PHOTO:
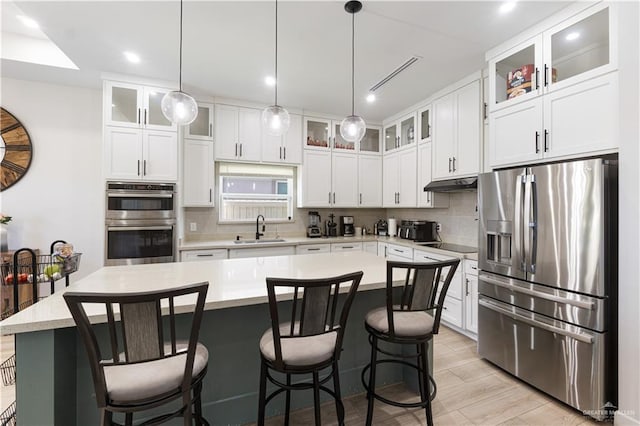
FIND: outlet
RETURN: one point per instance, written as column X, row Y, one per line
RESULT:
column 193, row 227
column 438, row 227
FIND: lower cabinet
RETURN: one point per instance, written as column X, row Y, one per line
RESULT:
column 382, row 249
column 337, row 247
column 471, row 295
column 200, row 255
column 399, row 253
column 370, row 246
column 313, row 248
column 261, row 252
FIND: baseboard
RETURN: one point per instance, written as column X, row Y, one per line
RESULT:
column 623, row 418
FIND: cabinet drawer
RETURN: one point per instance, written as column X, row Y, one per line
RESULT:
column 198, row 255
column 336, row 247
column 400, row 251
column 452, row 311
column 261, row 252
column 471, row 267
column 313, row 248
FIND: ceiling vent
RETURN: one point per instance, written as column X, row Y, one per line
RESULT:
column 412, row 60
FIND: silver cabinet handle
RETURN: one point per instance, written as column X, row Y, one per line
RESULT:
column 449, row 164
column 361, row 198
column 347, row 247
column 546, row 140
column 144, row 168
column 204, row 255
column 284, row 152
column 138, row 167
column 329, row 197
column 583, row 337
column 454, row 164
column 398, row 198
column 210, row 129
column 281, row 153
column 466, row 286
column 240, row 150
column 145, row 117
column 428, row 197
column 385, row 251
column 139, row 118
column 334, row 198
column 236, row 149
column 546, row 73
column 210, row 195
column 313, row 249
column 537, row 142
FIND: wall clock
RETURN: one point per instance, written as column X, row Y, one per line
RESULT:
column 15, row 150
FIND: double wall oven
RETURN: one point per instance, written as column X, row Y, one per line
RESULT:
column 140, row 223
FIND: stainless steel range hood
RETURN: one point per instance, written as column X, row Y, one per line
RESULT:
column 453, row 185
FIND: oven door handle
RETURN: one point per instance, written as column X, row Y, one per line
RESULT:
column 577, row 303
column 116, row 195
column 582, row 337
column 139, row 228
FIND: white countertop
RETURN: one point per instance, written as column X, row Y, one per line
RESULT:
column 232, row 282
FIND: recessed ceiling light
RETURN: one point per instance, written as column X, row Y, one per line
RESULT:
column 28, row 22
column 270, row 81
column 132, row 57
column 507, row 7
column 572, row 36
column 371, row 97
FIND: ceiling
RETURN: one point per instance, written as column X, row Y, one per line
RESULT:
column 229, row 46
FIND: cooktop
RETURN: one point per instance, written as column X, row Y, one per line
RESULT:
column 451, row 247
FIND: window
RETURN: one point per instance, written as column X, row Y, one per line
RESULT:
column 249, row 190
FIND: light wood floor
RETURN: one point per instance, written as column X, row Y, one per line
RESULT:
column 471, row 391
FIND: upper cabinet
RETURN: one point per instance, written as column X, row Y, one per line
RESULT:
column 202, row 126
column 370, row 143
column 238, row 133
column 324, row 134
column 400, row 133
column 457, row 133
column 555, row 96
column 134, row 105
column 285, row 149
column 424, row 124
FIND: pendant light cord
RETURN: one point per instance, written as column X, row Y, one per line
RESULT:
column 353, row 20
column 181, row 45
column 276, row 61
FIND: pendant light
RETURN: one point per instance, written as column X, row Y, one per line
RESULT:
column 177, row 106
column 276, row 119
column 353, row 127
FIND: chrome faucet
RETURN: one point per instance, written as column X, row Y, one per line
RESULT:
column 258, row 234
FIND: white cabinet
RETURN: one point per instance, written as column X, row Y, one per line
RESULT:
column 201, row 255
column 471, row 295
column 369, row 180
column 313, row 248
column 399, row 178
column 139, row 154
column 344, row 179
column 285, row 149
column 427, row 198
column 383, row 249
column 338, row 247
column 314, row 186
column 457, row 133
column 400, row 133
column 202, row 126
column 370, row 143
column 370, row 247
column 555, row 96
column 238, row 133
column 261, row 251
column 198, row 170
column 399, row 253
column 135, row 106
column 424, row 124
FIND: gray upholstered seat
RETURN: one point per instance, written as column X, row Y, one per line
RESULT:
column 135, row 382
column 407, row 323
column 302, row 350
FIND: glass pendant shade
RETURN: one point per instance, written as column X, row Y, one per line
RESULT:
column 179, row 108
column 352, row 128
column 275, row 120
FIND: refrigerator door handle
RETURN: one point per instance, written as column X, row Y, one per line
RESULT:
column 577, row 303
column 518, row 223
column 529, row 224
column 585, row 338
column 533, row 223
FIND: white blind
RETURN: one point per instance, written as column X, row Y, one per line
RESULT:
column 262, row 170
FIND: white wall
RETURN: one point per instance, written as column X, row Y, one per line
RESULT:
column 62, row 195
column 629, row 269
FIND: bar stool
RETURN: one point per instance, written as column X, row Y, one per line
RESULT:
column 305, row 338
column 411, row 317
column 148, row 370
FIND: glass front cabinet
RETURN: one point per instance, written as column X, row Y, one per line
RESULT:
column 400, row 133
column 202, row 126
column 133, row 105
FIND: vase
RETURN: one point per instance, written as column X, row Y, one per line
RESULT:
column 4, row 245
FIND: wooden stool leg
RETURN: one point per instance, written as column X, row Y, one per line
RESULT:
column 427, row 383
column 263, row 393
column 316, row 397
column 372, row 380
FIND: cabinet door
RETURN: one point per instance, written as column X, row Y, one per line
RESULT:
column 425, row 199
column 369, row 181
column 407, row 178
column 123, row 104
column 468, row 129
column 153, row 118
column 272, row 148
column 249, row 134
column 516, row 134
column 198, row 174
column 159, row 155
column 390, row 180
column 370, row 143
column 344, row 175
column 408, row 130
column 226, row 132
column 471, row 303
column 390, row 137
column 382, row 249
column 370, row 247
column 583, row 118
column 339, row 144
column 424, row 124
column 443, row 136
column 202, row 127
column 123, row 153
column 315, row 188
column 292, row 143
column 317, row 133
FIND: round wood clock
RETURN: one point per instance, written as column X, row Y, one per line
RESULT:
column 15, row 149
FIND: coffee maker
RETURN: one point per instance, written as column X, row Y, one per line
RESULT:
column 331, row 228
column 313, row 230
column 346, row 226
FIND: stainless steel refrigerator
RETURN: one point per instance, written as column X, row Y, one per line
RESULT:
column 548, row 283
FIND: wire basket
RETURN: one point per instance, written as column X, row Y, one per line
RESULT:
column 48, row 268
column 8, row 371
column 8, row 416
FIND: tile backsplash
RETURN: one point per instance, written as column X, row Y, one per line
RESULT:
column 459, row 221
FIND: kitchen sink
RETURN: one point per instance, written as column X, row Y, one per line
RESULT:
column 265, row 240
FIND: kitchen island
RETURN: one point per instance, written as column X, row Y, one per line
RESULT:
column 54, row 383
